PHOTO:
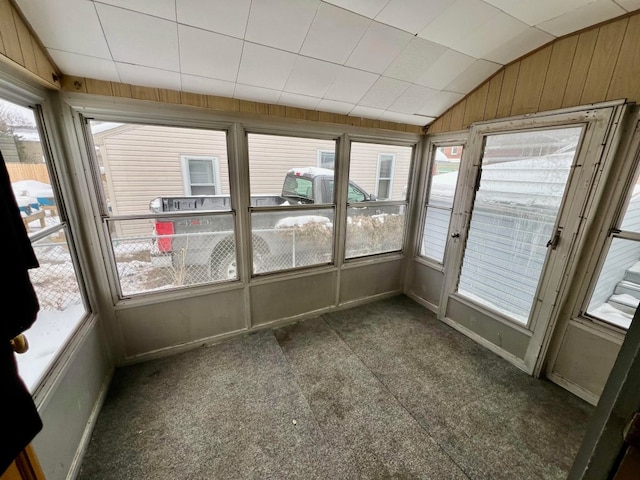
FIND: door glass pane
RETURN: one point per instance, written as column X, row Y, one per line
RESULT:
column 631, row 218
column 522, row 183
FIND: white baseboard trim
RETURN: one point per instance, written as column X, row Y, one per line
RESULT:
column 574, row 388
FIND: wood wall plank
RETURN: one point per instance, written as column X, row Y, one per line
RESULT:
column 603, row 62
column 277, row 111
column 457, row 115
column 493, row 96
column 248, row 107
column 223, row 103
column 145, row 93
column 74, row 84
column 98, row 87
column 9, row 33
column 26, row 47
column 474, row 110
column 121, row 89
column 528, row 91
column 558, row 73
column 580, row 67
column 169, row 96
column 625, row 82
column 193, row 99
column 508, row 89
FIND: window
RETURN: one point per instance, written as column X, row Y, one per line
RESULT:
column 201, row 175
column 617, row 291
column 56, row 281
column 444, row 178
column 454, row 150
column 326, row 159
column 375, row 221
column 147, row 180
column 384, row 182
column 292, row 202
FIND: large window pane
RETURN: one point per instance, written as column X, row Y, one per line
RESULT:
column 617, row 291
column 522, row 183
column 374, row 229
column 381, row 170
column 444, row 177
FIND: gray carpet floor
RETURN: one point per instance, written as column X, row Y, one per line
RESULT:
column 381, row 391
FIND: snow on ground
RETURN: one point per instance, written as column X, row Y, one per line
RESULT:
column 612, row 315
column 290, row 222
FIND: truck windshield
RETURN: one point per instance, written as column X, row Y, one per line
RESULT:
column 298, row 187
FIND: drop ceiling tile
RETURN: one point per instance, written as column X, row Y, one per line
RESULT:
column 79, row 32
column 404, row 118
column 366, row 112
column 256, row 94
column 533, row 13
column 500, row 29
column 140, row 39
column 207, row 86
column 332, row 106
column 412, row 99
column 209, row 54
column 311, row 77
column 150, row 77
column 157, row 8
column 412, row 15
column 220, row 16
column 462, row 17
column 384, row 92
column 299, row 101
column 473, row 76
column 445, row 69
column 84, row 66
column 378, row 47
column 440, row 103
column 367, row 8
column 265, row 66
column 629, row 5
column 334, row 34
column 518, row 46
column 280, row 23
column 350, row 85
column 585, row 16
column 415, row 60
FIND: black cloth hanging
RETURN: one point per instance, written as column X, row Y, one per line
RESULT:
column 19, row 417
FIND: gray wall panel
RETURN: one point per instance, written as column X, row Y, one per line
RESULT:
column 368, row 280
column 426, row 283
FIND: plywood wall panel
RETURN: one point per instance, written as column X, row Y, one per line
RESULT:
column 626, row 75
column 26, row 46
column 98, row 87
column 476, row 103
column 145, row 93
column 603, row 62
column 531, row 76
column 558, row 73
column 580, row 68
column 493, row 95
column 508, row 89
column 457, row 115
column 9, row 33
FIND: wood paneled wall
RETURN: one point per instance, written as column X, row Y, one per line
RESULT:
column 598, row 64
column 225, row 104
column 21, row 49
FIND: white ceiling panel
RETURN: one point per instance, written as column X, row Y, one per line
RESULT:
column 415, row 60
column 77, row 65
column 525, row 42
column 280, row 23
column 595, row 12
column 445, row 69
column 334, row 34
column 461, row 18
column 404, row 118
column 378, row 48
column 336, row 107
column 311, row 77
column 222, row 53
column 350, row 85
column 629, row 5
column 221, row 16
column 150, row 77
column 438, row 104
column 533, row 13
column 412, row 99
column 140, row 39
column 500, row 29
column 208, row 86
column 299, row 101
column 265, row 66
column 256, row 94
column 69, row 25
column 473, row 76
column 384, row 92
column 367, row 8
column 157, row 8
column 366, row 112
column 412, row 15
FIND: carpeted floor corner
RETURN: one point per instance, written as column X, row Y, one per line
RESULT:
column 381, row 391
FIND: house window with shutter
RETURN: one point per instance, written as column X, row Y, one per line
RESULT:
column 201, row 175
column 384, row 179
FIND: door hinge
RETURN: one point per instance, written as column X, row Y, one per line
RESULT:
column 478, row 178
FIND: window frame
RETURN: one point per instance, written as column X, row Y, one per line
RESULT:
column 380, row 178
column 186, row 173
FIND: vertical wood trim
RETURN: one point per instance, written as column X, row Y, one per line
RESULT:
column 325, row 117
column 169, row 96
column 223, row 103
column 98, row 87
column 457, row 115
column 121, row 90
column 493, row 96
column 144, row 93
column 9, row 33
column 557, row 77
column 528, row 91
column 247, row 106
column 277, row 111
column 580, row 67
column 193, row 99
column 508, row 89
column 603, row 62
column 476, row 102
column 26, row 47
column 626, row 75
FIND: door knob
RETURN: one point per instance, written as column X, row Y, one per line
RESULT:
column 20, row 344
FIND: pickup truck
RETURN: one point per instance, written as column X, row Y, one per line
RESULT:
column 208, row 242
